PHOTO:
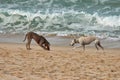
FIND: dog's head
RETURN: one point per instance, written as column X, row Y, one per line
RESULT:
column 73, row 42
column 47, row 46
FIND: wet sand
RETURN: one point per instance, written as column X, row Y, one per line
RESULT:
column 56, row 40
column 61, row 63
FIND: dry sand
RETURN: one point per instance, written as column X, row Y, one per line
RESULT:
column 61, row 63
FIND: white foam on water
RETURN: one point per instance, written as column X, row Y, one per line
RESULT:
column 79, row 22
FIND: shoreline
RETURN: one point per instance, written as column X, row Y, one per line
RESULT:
column 56, row 40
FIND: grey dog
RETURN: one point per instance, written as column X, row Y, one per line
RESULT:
column 86, row 40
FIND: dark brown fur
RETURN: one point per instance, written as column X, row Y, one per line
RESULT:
column 40, row 40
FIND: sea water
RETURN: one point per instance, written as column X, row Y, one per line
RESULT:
column 61, row 17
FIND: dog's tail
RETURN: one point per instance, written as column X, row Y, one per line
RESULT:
column 25, row 38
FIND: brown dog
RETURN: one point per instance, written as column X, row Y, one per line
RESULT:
column 40, row 40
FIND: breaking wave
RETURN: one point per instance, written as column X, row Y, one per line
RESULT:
column 61, row 17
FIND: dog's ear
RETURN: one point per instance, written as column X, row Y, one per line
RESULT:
column 74, row 40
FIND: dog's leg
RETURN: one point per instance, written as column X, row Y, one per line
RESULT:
column 43, row 46
column 41, row 43
column 83, row 47
column 100, row 46
column 47, row 46
column 28, row 44
column 96, row 46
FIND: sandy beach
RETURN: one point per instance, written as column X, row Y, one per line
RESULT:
column 60, row 22
column 61, row 63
